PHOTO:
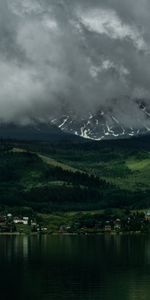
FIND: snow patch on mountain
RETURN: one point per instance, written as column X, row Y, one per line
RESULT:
column 99, row 126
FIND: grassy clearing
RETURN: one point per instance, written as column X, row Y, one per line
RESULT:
column 127, row 171
column 48, row 160
column 136, row 165
column 55, row 163
column 138, row 178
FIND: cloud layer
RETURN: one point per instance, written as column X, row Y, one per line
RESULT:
column 81, row 55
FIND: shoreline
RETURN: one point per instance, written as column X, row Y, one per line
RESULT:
column 73, row 234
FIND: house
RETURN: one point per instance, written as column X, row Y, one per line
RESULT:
column 44, row 229
column 9, row 216
column 117, row 225
column 64, row 228
column 147, row 216
column 33, row 223
column 24, row 220
column 107, row 227
column 17, row 220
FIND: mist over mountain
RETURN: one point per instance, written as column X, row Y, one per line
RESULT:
column 83, row 57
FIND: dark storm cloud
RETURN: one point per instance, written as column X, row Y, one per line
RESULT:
column 80, row 55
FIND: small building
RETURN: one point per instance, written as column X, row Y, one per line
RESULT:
column 44, row 229
column 107, row 227
column 9, row 216
column 147, row 216
column 33, row 223
column 23, row 221
column 117, row 225
column 17, row 221
column 64, row 228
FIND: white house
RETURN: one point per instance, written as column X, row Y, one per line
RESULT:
column 24, row 220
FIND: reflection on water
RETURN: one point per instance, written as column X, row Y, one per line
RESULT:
column 71, row 267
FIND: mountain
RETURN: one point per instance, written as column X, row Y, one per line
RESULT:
column 101, row 125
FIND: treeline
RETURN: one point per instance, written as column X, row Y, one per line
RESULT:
column 47, row 199
column 76, row 178
column 13, row 166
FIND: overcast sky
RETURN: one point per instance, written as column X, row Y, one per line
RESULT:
column 81, row 54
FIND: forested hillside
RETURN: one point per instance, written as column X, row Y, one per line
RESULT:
column 25, row 180
column 87, row 176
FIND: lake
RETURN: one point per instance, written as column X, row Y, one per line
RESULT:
column 102, row 267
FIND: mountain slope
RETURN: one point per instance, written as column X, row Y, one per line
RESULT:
column 31, row 180
column 102, row 125
column 99, row 126
column 71, row 176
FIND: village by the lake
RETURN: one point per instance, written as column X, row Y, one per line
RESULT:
column 81, row 223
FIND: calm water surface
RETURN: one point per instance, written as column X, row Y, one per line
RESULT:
column 73, row 268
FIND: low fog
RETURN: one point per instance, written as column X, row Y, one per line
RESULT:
column 74, row 55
